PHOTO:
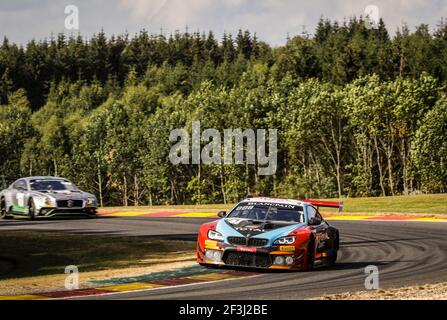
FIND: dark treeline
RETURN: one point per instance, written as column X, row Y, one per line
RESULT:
column 358, row 112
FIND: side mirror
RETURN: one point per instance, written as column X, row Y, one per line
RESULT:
column 314, row 221
column 221, row 214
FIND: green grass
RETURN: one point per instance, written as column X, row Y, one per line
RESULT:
column 426, row 204
column 44, row 253
column 416, row 204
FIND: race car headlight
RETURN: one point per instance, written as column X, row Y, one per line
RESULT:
column 214, row 235
column 285, row 240
column 90, row 201
column 49, row 202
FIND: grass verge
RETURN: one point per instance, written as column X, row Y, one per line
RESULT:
column 421, row 205
column 32, row 253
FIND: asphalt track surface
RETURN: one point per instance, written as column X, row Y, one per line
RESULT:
column 406, row 253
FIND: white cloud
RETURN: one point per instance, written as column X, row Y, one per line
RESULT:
column 394, row 12
column 170, row 12
column 141, row 8
column 272, row 20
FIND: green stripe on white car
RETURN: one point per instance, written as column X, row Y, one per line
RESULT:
column 19, row 208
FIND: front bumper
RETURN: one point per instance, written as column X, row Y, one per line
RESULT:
column 66, row 212
column 289, row 257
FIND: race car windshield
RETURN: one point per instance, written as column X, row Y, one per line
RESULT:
column 268, row 212
column 55, row 185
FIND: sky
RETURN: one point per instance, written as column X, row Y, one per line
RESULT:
column 271, row 20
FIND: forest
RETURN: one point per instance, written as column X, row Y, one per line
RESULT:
column 359, row 111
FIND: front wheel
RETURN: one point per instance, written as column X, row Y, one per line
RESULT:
column 31, row 210
column 209, row 266
column 92, row 213
column 333, row 258
column 310, row 255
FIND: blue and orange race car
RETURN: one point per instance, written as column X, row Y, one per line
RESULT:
column 271, row 233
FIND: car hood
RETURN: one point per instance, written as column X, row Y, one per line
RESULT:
column 244, row 228
column 63, row 195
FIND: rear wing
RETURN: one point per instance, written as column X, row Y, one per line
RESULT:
column 316, row 203
column 325, row 204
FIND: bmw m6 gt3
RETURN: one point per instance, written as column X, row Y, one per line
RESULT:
column 270, row 233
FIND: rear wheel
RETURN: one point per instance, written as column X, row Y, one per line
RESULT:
column 31, row 210
column 3, row 211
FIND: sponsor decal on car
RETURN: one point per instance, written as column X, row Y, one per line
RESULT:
column 287, row 248
column 245, row 249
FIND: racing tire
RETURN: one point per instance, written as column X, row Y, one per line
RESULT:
column 204, row 265
column 3, row 210
column 209, row 266
column 92, row 215
column 89, row 215
column 31, row 210
column 310, row 255
column 333, row 258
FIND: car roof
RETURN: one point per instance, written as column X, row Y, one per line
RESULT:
column 275, row 200
column 43, row 178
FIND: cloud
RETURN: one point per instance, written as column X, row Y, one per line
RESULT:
column 272, row 20
column 170, row 12
column 394, row 13
column 143, row 8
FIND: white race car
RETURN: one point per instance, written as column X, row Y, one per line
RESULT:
column 40, row 197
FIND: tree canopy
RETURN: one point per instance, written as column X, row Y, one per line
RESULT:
column 358, row 112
